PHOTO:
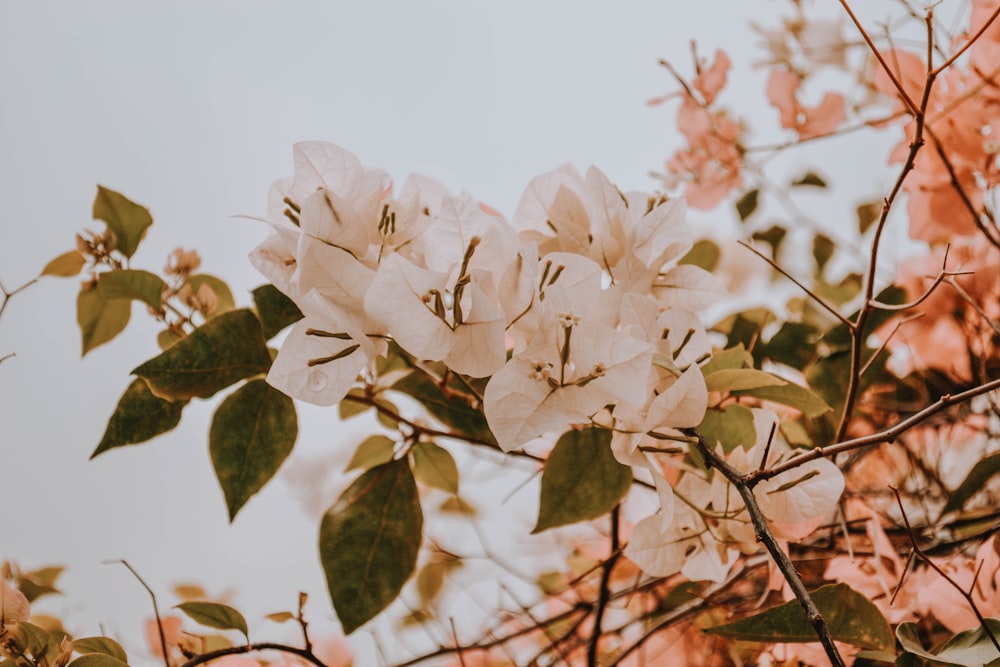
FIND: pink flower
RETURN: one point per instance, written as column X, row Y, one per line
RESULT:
column 782, row 91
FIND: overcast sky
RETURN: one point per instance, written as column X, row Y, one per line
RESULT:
column 191, row 108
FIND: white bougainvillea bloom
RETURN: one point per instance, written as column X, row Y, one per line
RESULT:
column 325, row 351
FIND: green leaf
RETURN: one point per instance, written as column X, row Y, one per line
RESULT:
column 215, row 615
column 972, row 647
column 737, row 379
column 434, row 466
column 734, row 357
column 97, row 660
column 100, row 320
column 451, row 411
column 581, row 480
column 809, row 179
column 794, row 344
column 430, row 578
column 253, row 432
column 373, row 451
column 127, row 220
column 65, row 265
column 772, row 236
column 36, row 641
column 222, row 351
column 102, row 645
column 747, row 204
column 850, row 616
column 223, row 294
column 981, row 473
column 732, row 426
column 868, row 213
column 823, row 247
column 276, row 311
column 139, row 416
column 792, row 395
column 132, row 284
column 369, row 541
column 347, row 408
column 39, row 582
column 703, row 253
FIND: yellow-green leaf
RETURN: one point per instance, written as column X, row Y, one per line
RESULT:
column 127, row 220
column 850, row 616
column 139, row 416
column 103, row 645
column 100, row 320
column 65, row 265
column 373, row 451
column 732, row 426
column 253, row 432
column 792, row 395
column 737, row 379
column 369, row 541
column 734, row 357
column 434, row 466
column 581, row 480
column 704, row 253
column 215, row 615
column 222, row 351
column 132, row 284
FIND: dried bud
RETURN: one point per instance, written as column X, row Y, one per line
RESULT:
column 182, row 262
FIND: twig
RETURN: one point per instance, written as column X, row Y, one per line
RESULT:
column 888, row 435
column 969, row 42
column 967, row 594
column 156, row 610
column 253, row 648
column 781, row 559
column 604, row 592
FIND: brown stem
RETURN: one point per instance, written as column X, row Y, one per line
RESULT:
column 781, row 559
column 253, row 648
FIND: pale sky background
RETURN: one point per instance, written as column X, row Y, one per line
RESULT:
column 191, row 108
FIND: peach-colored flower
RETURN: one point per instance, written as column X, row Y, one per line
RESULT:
column 782, row 92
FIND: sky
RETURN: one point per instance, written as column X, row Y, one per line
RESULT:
column 191, row 109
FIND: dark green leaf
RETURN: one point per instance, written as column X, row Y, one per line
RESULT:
column 794, row 344
column 132, row 284
column 981, row 473
column 215, row 615
column 732, row 426
column 703, row 253
column 97, row 660
column 581, row 480
column 34, row 640
column 103, row 645
column 737, row 379
column 868, row 213
column 127, row 220
column 222, row 351
column 850, row 616
column 434, row 466
column 65, row 265
column 276, row 311
column 223, row 295
column 809, row 179
column 792, row 395
column 100, row 320
column 451, row 411
column 369, row 541
column 374, row 451
column 140, row 416
column 823, row 248
column 253, row 432
column 747, row 204
column 772, row 236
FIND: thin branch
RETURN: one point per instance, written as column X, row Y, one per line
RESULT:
column 781, row 559
column 156, row 610
column 881, row 59
column 969, row 42
column 967, row 594
column 888, row 435
column 604, row 591
column 818, row 299
column 253, row 648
